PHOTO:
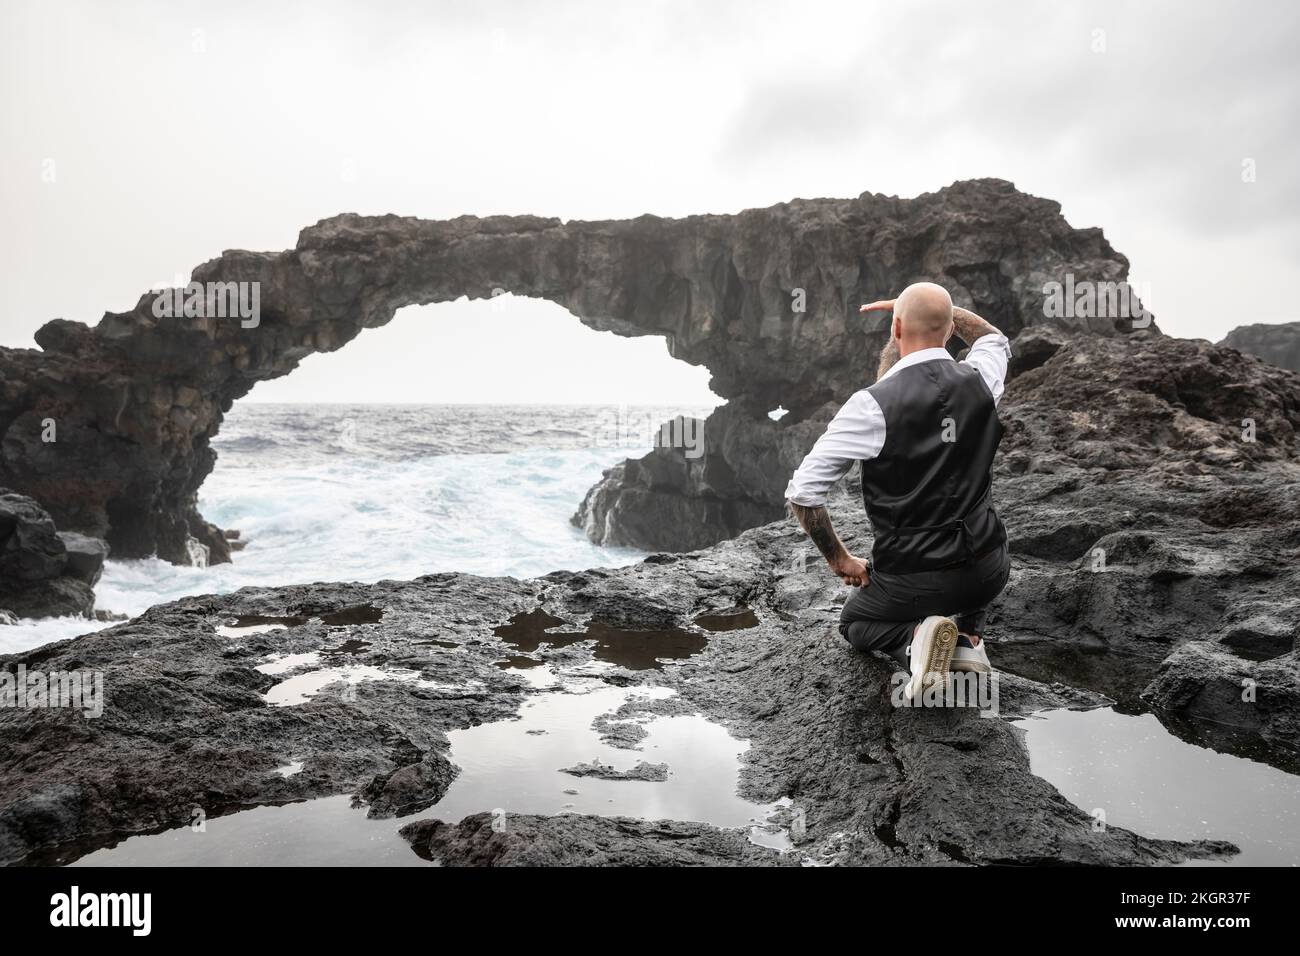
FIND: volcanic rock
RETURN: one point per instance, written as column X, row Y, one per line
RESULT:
column 187, row 723
column 1150, row 486
column 1210, row 683
column 1155, row 562
column 30, row 547
column 44, row 572
column 1278, row 343
column 85, row 556
column 110, row 428
column 571, row 840
column 650, row 772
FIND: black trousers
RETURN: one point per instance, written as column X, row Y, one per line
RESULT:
column 881, row 616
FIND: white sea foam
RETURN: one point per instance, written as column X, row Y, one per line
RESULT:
column 365, row 493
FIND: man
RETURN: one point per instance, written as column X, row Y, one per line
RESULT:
column 925, row 434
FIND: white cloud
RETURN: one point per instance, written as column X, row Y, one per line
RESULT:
column 166, row 154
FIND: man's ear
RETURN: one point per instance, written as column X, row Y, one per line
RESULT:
column 897, row 330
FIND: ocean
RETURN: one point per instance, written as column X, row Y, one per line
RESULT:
column 368, row 492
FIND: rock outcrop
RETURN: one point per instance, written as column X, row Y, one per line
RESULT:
column 110, row 427
column 1151, row 487
column 1228, row 694
column 1278, row 343
column 586, row 841
column 44, row 572
column 1151, row 490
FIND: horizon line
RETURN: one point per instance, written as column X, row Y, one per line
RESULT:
column 500, row 404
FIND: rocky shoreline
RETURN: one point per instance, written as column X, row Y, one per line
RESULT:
column 109, row 428
column 187, row 725
column 1150, row 485
column 1155, row 566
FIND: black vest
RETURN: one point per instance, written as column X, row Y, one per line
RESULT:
column 927, row 492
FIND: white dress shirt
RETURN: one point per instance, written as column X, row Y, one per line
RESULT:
column 857, row 432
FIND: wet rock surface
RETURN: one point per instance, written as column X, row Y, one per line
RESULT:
column 44, row 572
column 1211, row 684
column 651, row 772
column 571, row 840
column 1152, row 493
column 85, row 556
column 1156, row 548
column 187, row 724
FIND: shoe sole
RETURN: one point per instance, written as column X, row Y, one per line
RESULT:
column 943, row 641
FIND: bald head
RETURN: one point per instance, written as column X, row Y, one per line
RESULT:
column 922, row 317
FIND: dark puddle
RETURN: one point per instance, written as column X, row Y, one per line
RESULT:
column 323, row 832
column 361, row 614
column 354, row 646
column 1123, row 677
column 1132, row 772
column 1156, row 773
column 250, row 623
column 1231, row 741
column 633, row 649
column 734, row 619
column 517, row 662
column 684, row 768
column 264, row 620
column 438, row 643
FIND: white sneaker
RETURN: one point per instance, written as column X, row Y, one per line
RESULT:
column 931, row 650
column 972, row 659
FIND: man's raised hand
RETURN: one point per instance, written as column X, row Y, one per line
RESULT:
column 880, row 305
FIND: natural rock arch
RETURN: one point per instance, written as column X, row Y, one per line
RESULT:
column 137, row 399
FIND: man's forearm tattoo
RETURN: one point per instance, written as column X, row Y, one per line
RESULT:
column 817, row 522
column 888, row 356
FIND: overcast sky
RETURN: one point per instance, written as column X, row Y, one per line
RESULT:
column 174, row 130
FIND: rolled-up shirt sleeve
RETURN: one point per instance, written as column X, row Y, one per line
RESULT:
column 856, row 433
column 989, row 355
